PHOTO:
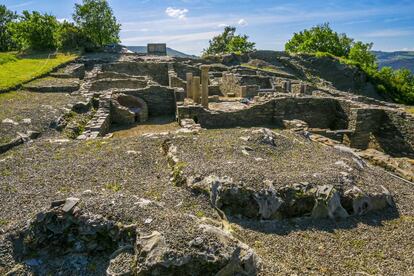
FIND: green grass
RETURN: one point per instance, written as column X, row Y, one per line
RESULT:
column 114, row 187
column 410, row 110
column 7, row 57
column 15, row 70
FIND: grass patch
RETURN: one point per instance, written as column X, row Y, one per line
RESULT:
column 410, row 110
column 114, row 187
column 15, row 70
column 7, row 57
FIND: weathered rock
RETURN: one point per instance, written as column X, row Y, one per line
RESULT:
column 8, row 121
column 228, row 257
column 328, row 204
column 269, row 202
column 70, row 204
column 264, row 136
column 363, row 203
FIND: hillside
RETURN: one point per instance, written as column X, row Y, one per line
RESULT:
column 396, row 60
column 170, row 52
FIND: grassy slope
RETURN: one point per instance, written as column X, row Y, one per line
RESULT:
column 14, row 72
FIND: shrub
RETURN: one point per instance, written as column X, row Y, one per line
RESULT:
column 35, row 31
column 228, row 42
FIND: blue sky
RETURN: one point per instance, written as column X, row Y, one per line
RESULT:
column 187, row 25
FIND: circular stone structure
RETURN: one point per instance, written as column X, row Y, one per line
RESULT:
column 128, row 109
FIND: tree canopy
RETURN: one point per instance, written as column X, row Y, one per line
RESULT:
column 229, row 42
column 6, row 17
column 35, row 31
column 95, row 18
column 320, row 38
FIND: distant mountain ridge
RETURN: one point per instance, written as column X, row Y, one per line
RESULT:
column 396, row 60
column 170, row 52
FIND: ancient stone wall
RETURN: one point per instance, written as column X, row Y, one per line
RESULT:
column 311, row 110
column 317, row 112
column 160, row 99
column 396, row 133
column 262, row 82
column 254, row 116
column 182, row 69
column 105, row 84
column 382, row 129
column 158, row 71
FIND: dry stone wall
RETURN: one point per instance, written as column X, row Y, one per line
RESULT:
column 157, row 70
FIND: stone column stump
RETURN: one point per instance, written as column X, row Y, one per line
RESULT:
column 196, row 90
column 189, row 85
column 204, row 85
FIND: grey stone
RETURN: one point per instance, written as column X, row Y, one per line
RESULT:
column 70, row 203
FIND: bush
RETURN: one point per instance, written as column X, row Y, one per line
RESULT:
column 228, row 42
column 320, row 38
column 322, row 41
column 6, row 17
column 71, row 37
column 35, row 31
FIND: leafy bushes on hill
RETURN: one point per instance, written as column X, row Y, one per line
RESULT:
column 95, row 26
column 322, row 41
column 228, row 42
column 6, row 17
column 35, row 31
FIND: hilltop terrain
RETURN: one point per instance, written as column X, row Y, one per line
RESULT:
column 396, row 60
column 275, row 164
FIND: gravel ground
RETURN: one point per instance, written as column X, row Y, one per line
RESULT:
column 293, row 159
column 115, row 178
column 40, row 108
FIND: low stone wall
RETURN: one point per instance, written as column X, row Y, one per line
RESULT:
column 105, row 84
column 254, row 116
column 310, row 110
column 182, row 69
column 160, row 99
column 158, row 71
column 317, row 112
column 382, row 129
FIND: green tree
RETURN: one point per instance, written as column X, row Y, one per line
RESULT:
column 320, row 38
column 35, row 31
column 96, row 20
column 6, row 17
column 229, row 42
column 361, row 53
column 71, row 37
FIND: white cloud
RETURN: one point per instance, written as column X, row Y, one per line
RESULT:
column 176, row 13
column 242, row 22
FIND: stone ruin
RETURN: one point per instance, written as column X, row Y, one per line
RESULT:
column 202, row 93
column 215, row 95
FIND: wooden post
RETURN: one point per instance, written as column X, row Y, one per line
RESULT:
column 189, row 85
column 196, row 90
column 204, row 85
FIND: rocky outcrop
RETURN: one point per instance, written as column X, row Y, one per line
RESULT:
column 297, row 200
column 54, row 239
